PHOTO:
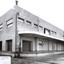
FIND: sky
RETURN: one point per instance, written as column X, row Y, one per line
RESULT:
column 51, row 11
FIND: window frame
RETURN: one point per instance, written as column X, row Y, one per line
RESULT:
column 8, row 23
column 21, row 19
column 1, row 26
column 45, row 29
column 28, row 22
column 35, row 25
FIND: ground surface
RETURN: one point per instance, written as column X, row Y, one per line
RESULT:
column 50, row 59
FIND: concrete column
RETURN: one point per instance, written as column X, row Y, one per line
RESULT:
column 13, row 45
column 43, row 30
column 48, row 45
column 4, row 45
column 33, row 45
column 21, row 45
column 36, row 44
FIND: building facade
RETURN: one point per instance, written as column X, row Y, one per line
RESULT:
column 24, row 32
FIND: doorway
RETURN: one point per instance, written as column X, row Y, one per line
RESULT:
column 0, row 45
column 9, row 45
column 26, row 45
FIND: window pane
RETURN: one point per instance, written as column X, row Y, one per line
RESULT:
column 46, row 31
column 9, row 22
column 28, row 22
column 35, row 25
column 1, row 26
column 20, row 19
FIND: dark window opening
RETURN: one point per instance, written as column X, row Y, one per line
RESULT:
column 46, row 31
column 40, row 26
column 35, row 25
column 20, row 18
column 28, row 22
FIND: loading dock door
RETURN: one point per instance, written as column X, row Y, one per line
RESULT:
column 26, row 45
column 0, row 45
column 9, row 45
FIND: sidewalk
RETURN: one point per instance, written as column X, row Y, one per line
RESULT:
column 39, row 54
column 49, row 59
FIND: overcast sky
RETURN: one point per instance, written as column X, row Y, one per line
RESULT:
column 50, row 10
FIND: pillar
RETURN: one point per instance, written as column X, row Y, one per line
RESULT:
column 4, row 45
column 36, row 44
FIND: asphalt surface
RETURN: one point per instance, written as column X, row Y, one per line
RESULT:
column 50, row 59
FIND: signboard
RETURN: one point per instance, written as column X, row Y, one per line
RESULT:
column 5, row 59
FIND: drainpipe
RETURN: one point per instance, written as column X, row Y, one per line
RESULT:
column 16, row 32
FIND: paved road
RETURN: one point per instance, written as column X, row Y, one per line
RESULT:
column 53, row 59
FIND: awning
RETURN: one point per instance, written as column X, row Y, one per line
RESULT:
column 38, row 34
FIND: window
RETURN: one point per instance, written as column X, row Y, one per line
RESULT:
column 41, row 43
column 28, row 22
column 40, row 27
column 20, row 19
column 9, row 22
column 46, row 31
column 35, row 25
column 63, row 34
column 53, row 32
column 1, row 26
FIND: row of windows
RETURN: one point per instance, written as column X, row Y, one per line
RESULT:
column 46, row 31
column 29, row 23
column 10, row 23
column 49, row 32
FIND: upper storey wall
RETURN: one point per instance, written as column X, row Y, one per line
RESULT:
column 34, row 19
column 7, row 32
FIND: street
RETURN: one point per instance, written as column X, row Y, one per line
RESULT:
column 53, row 59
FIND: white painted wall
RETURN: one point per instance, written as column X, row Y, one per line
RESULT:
column 50, row 45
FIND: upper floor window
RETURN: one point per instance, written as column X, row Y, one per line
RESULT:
column 1, row 26
column 35, row 25
column 46, row 31
column 20, row 19
column 53, row 33
column 9, row 22
column 63, row 34
column 40, row 27
column 28, row 22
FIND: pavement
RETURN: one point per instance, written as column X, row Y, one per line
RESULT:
column 49, row 59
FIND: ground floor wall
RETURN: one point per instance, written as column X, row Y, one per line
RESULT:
column 40, row 44
column 28, row 43
column 7, row 45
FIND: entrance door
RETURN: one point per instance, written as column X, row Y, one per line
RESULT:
column 9, row 45
column 0, row 45
column 26, row 45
